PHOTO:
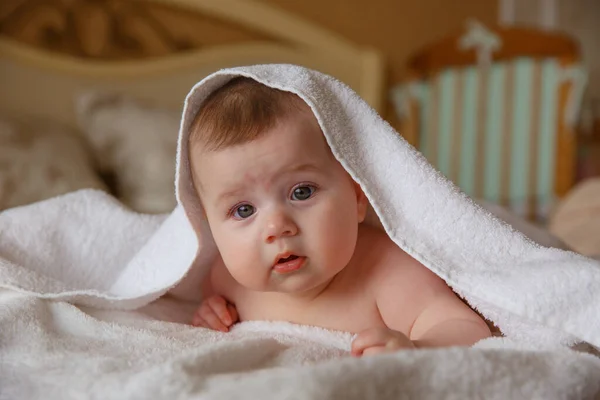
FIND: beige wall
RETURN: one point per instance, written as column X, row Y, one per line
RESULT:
column 396, row 27
column 581, row 19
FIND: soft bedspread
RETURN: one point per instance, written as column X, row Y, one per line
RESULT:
column 54, row 350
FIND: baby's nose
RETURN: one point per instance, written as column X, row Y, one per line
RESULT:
column 279, row 225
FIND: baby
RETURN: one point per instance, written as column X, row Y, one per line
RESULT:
column 287, row 220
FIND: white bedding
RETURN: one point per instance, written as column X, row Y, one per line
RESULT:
column 69, row 264
column 53, row 350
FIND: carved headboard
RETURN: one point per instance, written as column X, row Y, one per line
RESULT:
column 53, row 50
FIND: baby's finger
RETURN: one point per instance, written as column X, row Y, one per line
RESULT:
column 198, row 321
column 197, row 318
column 219, row 305
column 367, row 338
column 213, row 321
column 371, row 351
column 233, row 313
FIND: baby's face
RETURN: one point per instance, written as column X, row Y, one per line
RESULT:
column 283, row 212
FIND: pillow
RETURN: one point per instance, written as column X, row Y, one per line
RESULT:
column 134, row 143
column 39, row 160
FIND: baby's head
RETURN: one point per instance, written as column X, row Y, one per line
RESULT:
column 282, row 210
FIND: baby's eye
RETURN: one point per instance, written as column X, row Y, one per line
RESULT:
column 243, row 211
column 303, row 192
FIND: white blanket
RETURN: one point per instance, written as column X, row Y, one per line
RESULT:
column 69, row 264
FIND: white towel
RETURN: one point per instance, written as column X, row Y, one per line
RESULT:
column 85, row 249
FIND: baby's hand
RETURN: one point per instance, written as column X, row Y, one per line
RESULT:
column 215, row 313
column 380, row 340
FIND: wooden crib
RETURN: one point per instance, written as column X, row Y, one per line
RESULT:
column 495, row 111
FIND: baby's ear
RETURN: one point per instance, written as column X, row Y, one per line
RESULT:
column 361, row 202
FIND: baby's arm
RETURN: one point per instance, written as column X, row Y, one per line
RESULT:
column 447, row 321
column 418, row 309
column 440, row 318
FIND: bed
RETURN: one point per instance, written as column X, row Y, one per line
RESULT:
column 115, row 73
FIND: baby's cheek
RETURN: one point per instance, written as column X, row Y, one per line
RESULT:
column 338, row 233
column 241, row 259
column 247, row 274
column 245, row 268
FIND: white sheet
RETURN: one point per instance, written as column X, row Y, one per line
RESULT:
column 54, row 350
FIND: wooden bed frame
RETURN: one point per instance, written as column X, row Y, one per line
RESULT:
column 52, row 50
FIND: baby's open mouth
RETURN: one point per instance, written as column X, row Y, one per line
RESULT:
column 288, row 264
column 290, row 258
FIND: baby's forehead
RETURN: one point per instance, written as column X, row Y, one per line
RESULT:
column 293, row 137
column 285, row 150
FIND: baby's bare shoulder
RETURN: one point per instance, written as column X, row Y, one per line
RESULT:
column 392, row 266
column 402, row 287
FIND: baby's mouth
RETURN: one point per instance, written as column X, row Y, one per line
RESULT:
column 290, row 258
column 288, row 263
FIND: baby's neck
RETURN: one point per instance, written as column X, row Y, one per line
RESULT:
column 307, row 296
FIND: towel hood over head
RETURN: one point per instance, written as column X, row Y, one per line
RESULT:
column 526, row 289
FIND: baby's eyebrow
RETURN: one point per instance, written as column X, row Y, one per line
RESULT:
column 294, row 169
column 303, row 167
column 238, row 190
column 229, row 193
